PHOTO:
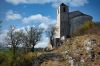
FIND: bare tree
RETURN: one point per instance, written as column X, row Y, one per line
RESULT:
column 14, row 39
column 32, row 36
column 51, row 33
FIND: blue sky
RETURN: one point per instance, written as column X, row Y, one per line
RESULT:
column 41, row 13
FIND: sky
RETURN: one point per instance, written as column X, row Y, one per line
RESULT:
column 41, row 13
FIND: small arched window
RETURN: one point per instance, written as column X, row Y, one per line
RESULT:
column 64, row 9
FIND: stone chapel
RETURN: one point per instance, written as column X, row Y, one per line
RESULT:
column 67, row 23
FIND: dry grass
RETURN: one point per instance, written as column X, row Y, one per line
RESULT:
column 75, row 46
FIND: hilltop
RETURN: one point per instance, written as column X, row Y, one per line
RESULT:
column 75, row 48
column 83, row 50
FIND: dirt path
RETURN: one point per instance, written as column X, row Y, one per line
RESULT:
column 48, row 56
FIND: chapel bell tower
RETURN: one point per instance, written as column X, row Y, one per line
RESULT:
column 63, row 26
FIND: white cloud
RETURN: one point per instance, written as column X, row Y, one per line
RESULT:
column 16, row 2
column 11, row 15
column 44, row 26
column 78, row 2
column 54, row 3
column 43, row 43
column 37, row 18
column 43, row 21
column 47, row 25
column 2, row 37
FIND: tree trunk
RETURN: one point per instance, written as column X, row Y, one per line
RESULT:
column 32, row 49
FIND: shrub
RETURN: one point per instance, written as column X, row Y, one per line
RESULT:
column 8, row 59
column 85, row 27
column 25, row 59
column 3, row 58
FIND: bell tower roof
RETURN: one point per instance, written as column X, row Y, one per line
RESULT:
column 62, row 4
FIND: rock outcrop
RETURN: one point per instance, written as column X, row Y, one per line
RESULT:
column 83, row 49
column 76, row 51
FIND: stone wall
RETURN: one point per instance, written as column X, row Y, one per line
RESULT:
column 78, row 22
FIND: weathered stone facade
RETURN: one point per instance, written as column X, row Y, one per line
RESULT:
column 77, row 19
column 67, row 23
column 62, row 22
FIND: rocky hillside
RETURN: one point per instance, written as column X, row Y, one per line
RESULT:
column 81, row 50
column 95, row 29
